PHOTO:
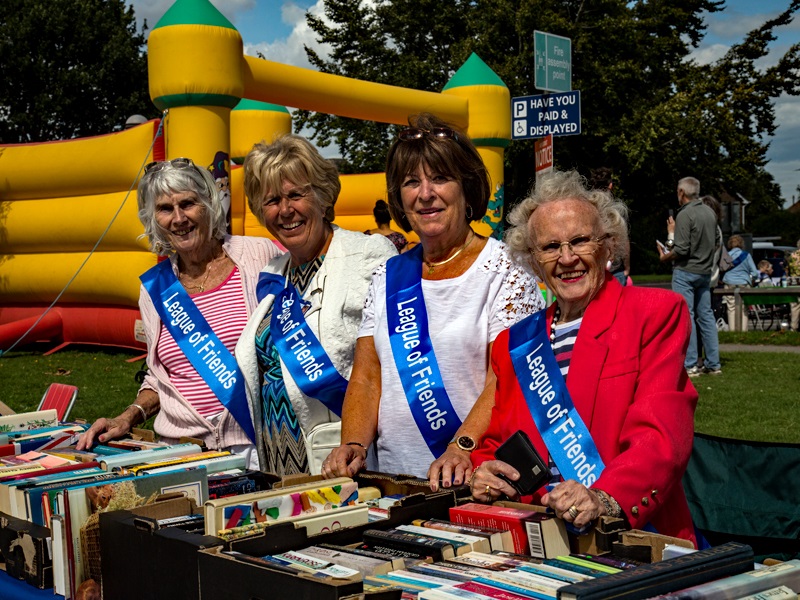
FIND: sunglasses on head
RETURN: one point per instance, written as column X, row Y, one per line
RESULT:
column 178, row 163
column 417, row 133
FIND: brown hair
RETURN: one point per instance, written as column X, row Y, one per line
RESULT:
column 454, row 157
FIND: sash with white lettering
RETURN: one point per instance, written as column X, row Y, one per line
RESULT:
column 199, row 343
column 413, row 352
column 299, row 349
column 564, row 433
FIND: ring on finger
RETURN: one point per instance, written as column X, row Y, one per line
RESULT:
column 573, row 512
column 488, row 491
column 472, row 476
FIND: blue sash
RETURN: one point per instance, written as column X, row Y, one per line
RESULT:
column 413, row 353
column 194, row 336
column 299, row 349
column 566, row 436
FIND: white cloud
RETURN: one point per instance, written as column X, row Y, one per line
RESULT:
column 291, row 50
column 153, row 10
column 705, row 55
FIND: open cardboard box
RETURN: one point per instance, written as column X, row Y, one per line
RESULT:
column 420, row 503
column 645, row 546
column 222, row 576
column 139, row 560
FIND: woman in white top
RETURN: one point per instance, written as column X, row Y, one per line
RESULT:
column 421, row 391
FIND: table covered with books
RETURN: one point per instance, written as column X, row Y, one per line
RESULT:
column 199, row 524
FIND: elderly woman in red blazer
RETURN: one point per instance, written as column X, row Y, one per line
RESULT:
column 596, row 381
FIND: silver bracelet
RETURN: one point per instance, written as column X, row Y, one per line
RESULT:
column 613, row 509
column 141, row 408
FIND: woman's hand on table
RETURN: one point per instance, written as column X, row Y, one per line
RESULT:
column 574, row 502
column 344, row 461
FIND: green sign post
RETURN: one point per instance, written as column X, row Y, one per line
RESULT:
column 553, row 57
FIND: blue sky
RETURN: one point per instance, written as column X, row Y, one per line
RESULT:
column 277, row 29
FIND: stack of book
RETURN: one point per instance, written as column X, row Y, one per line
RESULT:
column 439, row 560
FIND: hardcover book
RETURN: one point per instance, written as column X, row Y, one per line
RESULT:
column 475, row 543
column 315, row 523
column 777, row 593
column 535, row 533
column 28, row 420
column 435, row 548
column 275, row 504
column 127, row 459
column 85, row 501
column 666, row 576
column 395, row 561
column 366, row 565
column 785, row 573
column 499, row 539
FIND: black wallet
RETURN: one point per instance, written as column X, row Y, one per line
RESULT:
column 518, row 451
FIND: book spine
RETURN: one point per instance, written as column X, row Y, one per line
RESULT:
column 516, row 589
column 491, row 592
column 436, row 549
column 777, row 593
column 785, row 573
column 666, row 576
column 505, row 521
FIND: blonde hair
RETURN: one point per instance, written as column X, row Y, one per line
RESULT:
column 291, row 158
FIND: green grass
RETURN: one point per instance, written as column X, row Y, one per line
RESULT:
column 104, row 379
column 654, row 278
column 762, row 338
column 754, row 399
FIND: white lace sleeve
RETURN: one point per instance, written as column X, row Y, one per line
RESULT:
column 519, row 294
column 368, row 315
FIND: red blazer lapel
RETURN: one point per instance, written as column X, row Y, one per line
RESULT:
column 590, row 352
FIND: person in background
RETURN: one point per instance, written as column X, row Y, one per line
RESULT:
column 714, row 205
column 764, row 278
column 208, row 283
column 296, row 352
column 793, row 267
column 620, row 267
column 422, row 392
column 742, row 274
column 597, row 381
column 382, row 220
column 691, row 244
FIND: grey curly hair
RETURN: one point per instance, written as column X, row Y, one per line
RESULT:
column 562, row 185
column 175, row 180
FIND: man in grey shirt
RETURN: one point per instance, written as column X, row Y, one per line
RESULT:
column 692, row 250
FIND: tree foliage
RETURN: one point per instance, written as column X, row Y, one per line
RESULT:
column 647, row 111
column 69, row 68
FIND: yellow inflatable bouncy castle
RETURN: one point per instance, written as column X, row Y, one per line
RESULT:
column 59, row 199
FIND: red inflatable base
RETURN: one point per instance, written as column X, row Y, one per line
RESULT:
column 99, row 325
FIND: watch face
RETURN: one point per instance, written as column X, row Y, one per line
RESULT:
column 465, row 443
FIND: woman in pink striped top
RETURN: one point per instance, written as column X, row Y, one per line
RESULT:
column 193, row 310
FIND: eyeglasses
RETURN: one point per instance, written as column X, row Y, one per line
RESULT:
column 417, row 133
column 293, row 196
column 580, row 246
column 178, row 163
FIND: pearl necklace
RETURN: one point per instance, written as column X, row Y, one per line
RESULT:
column 432, row 265
column 556, row 317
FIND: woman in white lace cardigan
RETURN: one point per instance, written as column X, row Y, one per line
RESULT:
column 421, row 391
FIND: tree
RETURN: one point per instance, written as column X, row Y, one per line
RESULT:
column 647, row 112
column 69, row 68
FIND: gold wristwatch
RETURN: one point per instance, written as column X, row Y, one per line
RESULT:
column 464, row 442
